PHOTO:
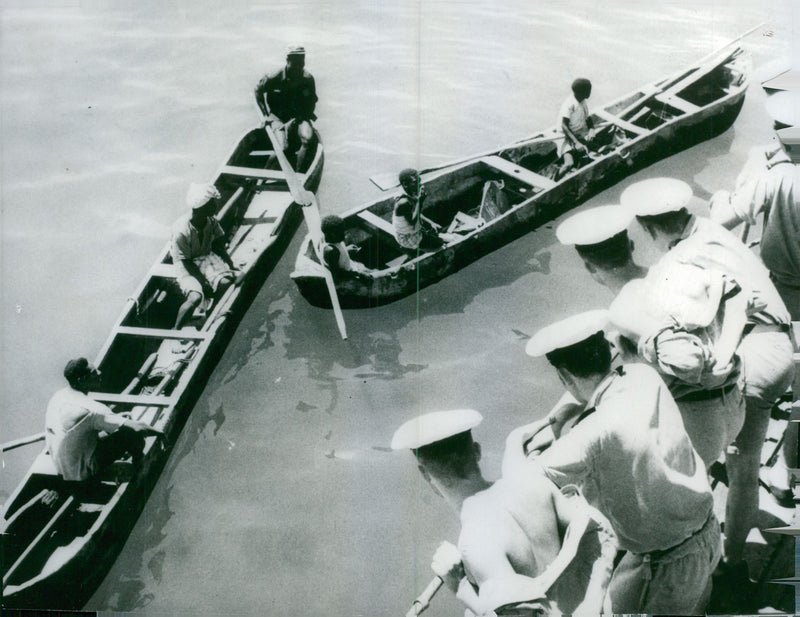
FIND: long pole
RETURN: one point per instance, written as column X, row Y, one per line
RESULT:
column 308, row 203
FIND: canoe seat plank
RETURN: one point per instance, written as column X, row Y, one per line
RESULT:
column 515, row 171
column 262, row 152
column 677, row 102
column 188, row 334
column 638, row 130
column 252, row 172
column 133, row 399
column 260, row 220
column 168, row 271
column 376, row 221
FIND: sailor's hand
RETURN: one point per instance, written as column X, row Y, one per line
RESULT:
column 353, row 248
column 447, row 565
column 720, row 199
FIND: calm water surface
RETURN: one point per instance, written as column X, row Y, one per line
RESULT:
column 281, row 497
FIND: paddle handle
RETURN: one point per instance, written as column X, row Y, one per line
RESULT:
column 24, row 441
column 310, row 208
column 424, row 599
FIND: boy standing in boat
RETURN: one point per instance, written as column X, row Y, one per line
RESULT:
column 287, row 99
column 198, row 250
column 75, row 422
column 510, row 548
column 411, row 229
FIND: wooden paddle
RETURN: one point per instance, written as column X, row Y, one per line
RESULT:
column 308, row 203
column 23, row 441
column 424, row 599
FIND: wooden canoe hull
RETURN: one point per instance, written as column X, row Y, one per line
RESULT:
column 67, row 577
column 395, row 283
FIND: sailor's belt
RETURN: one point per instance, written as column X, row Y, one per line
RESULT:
column 668, row 552
column 706, row 395
column 760, row 328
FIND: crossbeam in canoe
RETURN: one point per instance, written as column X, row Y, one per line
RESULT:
column 189, row 335
column 515, row 171
column 376, row 221
column 252, row 172
column 133, row 399
column 623, row 124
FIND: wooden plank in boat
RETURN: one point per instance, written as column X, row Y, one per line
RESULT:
column 252, row 172
column 515, row 171
column 638, row 130
column 677, row 102
column 376, row 221
column 193, row 335
column 133, row 399
column 164, row 270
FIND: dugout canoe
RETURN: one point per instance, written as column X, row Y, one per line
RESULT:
column 61, row 538
column 493, row 198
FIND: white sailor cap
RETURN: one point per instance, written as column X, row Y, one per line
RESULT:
column 784, row 107
column 790, row 140
column 788, row 81
column 295, row 50
column 656, row 196
column 594, row 225
column 567, row 332
column 432, row 427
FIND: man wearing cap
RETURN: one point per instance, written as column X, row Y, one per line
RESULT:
column 83, row 435
column 198, row 250
column 660, row 205
column 510, row 549
column 770, row 184
column 629, row 452
column 412, row 230
column 287, row 99
column 687, row 332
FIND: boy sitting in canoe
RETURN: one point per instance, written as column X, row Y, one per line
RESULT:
column 577, row 125
column 335, row 252
column 198, row 250
column 411, row 229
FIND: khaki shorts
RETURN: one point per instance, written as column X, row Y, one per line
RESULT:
column 672, row 582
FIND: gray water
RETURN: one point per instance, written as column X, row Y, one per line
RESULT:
column 280, row 497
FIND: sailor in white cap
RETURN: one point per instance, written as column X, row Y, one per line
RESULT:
column 287, row 99
column 630, row 453
column 703, row 383
column 601, row 238
column 765, row 350
column 509, row 549
column 769, row 184
column 198, row 250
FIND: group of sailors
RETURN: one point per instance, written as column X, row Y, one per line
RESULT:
column 605, row 505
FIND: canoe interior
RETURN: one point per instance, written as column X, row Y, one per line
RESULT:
column 56, row 551
column 461, row 189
